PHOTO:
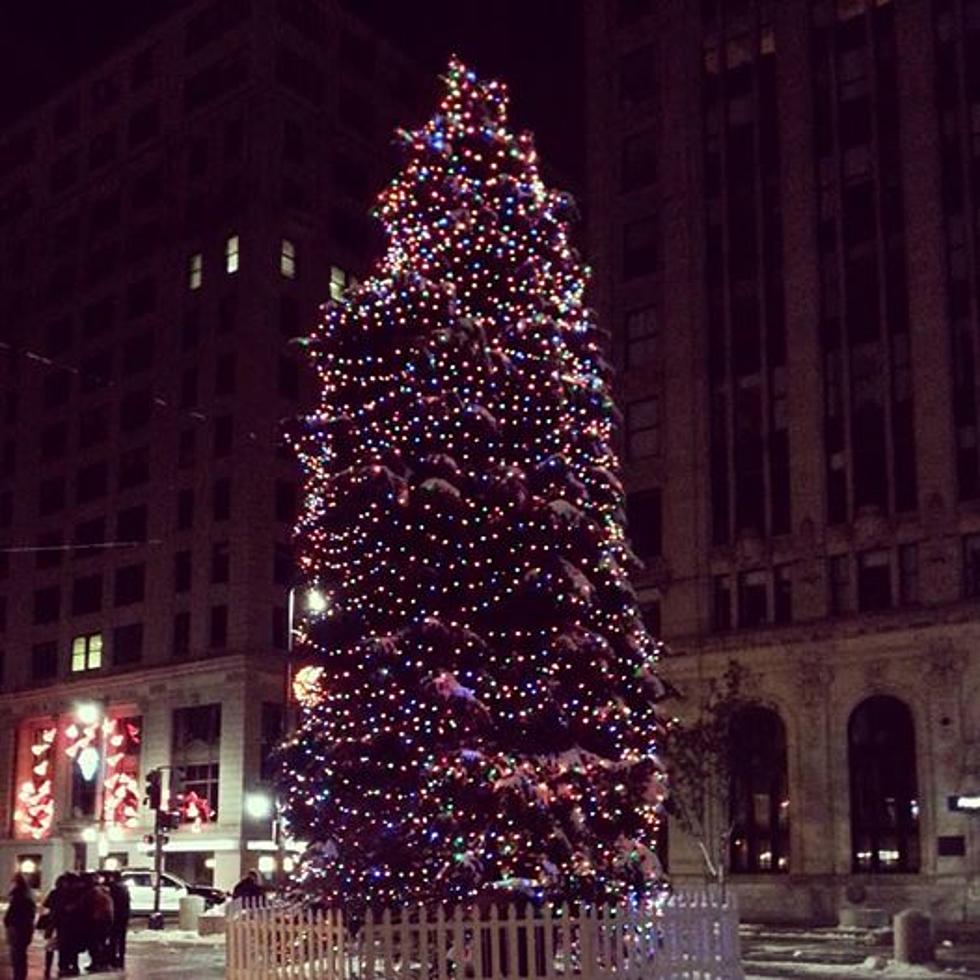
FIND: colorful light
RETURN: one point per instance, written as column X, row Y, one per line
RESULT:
column 480, row 711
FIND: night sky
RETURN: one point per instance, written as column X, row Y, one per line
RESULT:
column 535, row 45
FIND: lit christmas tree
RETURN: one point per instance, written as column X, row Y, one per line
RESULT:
column 481, row 716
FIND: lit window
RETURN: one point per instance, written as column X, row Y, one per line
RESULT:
column 287, row 259
column 86, row 652
column 338, row 282
column 231, row 255
column 643, row 428
column 195, row 270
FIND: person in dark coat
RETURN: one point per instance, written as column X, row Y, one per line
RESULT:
column 19, row 922
column 120, row 919
column 248, row 889
column 97, row 906
column 65, row 904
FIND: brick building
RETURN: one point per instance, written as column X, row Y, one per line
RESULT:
column 167, row 223
column 783, row 218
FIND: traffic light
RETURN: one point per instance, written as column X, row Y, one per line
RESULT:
column 154, row 791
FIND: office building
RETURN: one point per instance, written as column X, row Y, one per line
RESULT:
column 783, row 218
column 167, row 222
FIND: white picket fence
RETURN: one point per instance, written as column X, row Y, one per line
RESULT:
column 688, row 936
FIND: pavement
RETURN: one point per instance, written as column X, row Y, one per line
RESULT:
column 782, row 952
column 149, row 956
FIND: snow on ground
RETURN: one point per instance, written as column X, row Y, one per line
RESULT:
column 182, row 937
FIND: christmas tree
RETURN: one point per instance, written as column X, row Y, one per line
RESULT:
column 481, row 716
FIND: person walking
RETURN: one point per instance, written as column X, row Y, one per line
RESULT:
column 19, row 922
column 45, row 923
column 120, row 920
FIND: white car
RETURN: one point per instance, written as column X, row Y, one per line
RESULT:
column 139, row 881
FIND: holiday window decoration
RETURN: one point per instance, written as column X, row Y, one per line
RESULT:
column 34, row 810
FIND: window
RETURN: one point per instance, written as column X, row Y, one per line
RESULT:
column 639, row 160
column 51, row 496
column 202, row 780
column 338, row 282
column 134, row 467
column 839, row 584
column 759, row 798
column 782, row 594
column 130, row 584
column 280, row 628
column 282, row 564
column 639, row 247
column 224, row 375
column 272, row 728
column 220, row 562
column 44, row 661
column 54, row 441
column 182, row 634
column 141, row 297
column 127, row 644
column 144, row 124
column 644, row 523
column 86, row 595
column 89, row 538
column 884, row 795
column 288, row 377
column 971, row 565
column 138, row 355
column 91, row 482
column 56, row 389
column 182, row 571
column 287, row 260
column 643, row 428
column 86, row 653
column 231, row 255
column 223, row 431
column 637, row 78
column 874, row 581
column 908, row 574
column 47, row 605
column 219, row 626
column 135, row 410
column 188, row 388
column 131, row 524
column 50, row 549
column 285, row 501
column 195, row 271
column 185, row 509
column 93, row 426
column 753, row 599
column 642, row 337
column 221, row 500
column 722, row 602
column 196, row 747
column 186, row 448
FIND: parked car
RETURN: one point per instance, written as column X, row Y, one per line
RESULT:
column 172, row 890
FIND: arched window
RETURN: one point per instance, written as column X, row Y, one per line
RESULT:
column 758, row 801
column 884, row 798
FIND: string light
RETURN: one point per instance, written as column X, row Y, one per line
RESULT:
column 479, row 712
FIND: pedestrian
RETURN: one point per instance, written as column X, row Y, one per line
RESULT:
column 19, row 922
column 248, row 890
column 45, row 923
column 97, row 904
column 120, row 919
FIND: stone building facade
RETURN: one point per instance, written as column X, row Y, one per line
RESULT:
column 168, row 222
column 782, row 217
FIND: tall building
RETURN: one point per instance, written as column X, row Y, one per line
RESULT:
column 783, row 220
column 167, row 223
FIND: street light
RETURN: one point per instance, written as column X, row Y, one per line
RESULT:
column 259, row 805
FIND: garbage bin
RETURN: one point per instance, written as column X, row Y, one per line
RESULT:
column 190, row 909
column 913, row 937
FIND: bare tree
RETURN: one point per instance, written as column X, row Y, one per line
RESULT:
column 700, row 762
